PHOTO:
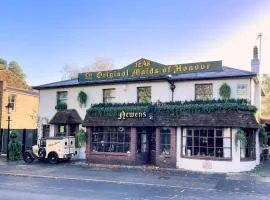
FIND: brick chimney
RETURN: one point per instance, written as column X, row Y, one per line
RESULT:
column 255, row 62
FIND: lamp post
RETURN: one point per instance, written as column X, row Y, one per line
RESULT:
column 172, row 85
column 8, row 107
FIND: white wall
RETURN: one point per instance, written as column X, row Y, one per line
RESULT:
column 234, row 165
column 128, row 93
column 186, row 90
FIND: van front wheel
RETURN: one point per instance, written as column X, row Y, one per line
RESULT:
column 53, row 158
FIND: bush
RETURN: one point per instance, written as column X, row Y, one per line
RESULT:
column 14, row 147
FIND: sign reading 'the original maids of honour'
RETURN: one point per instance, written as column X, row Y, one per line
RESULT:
column 147, row 68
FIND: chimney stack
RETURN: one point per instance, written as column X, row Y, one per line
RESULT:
column 255, row 62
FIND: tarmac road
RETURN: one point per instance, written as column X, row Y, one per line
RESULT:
column 25, row 188
column 40, row 181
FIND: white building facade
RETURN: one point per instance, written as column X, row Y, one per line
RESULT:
column 203, row 141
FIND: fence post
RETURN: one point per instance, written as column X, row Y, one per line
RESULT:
column 1, row 140
column 24, row 141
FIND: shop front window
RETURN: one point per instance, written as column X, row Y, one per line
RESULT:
column 248, row 152
column 144, row 94
column 203, row 91
column 211, row 143
column 111, row 139
column 165, row 141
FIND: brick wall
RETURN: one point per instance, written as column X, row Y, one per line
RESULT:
column 112, row 158
column 130, row 158
column 1, row 100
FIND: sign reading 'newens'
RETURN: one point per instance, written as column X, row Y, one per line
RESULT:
column 147, row 68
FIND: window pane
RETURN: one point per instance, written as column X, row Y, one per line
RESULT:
column 203, row 91
column 207, row 143
column 144, row 94
column 110, row 139
column 62, row 96
column 108, row 95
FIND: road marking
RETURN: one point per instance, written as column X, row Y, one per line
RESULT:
column 100, row 180
column 86, row 190
column 56, row 188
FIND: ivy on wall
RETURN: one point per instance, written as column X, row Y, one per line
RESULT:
column 173, row 108
column 225, row 91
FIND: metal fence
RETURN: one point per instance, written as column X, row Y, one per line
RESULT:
column 27, row 138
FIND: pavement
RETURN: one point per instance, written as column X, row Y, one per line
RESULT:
column 257, row 180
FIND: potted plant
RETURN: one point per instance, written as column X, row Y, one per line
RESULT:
column 241, row 137
column 82, row 98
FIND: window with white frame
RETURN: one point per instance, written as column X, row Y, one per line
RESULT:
column 214, row 143
column 242, row 91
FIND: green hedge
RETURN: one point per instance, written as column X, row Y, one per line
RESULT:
column 174, row 108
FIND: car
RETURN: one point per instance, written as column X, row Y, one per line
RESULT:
column 52, row 149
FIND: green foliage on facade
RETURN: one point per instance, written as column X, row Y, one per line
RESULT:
column 173, row 108
column 80, row 138
column 225, row 91
column 266, row 98
column 262, row 136
column 60, row 106
column 82, row 98
column 241, row 136
column 14, row 146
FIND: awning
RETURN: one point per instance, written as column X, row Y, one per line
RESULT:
column 70, row 116
column 244, row 119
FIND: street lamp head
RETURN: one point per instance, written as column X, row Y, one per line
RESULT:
column 172, row 87
column 9, row 107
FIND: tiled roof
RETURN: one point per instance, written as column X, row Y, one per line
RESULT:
column 243, row 119
column 227, row 72
column 70, row 116
column 12, row 80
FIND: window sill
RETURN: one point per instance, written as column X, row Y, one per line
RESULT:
column 207, row 158
column 247, row 159
column 109, row 153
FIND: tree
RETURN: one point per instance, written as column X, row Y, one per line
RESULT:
column 71, row 72
column 3, row 64
column 14, row 67
column 266, row 98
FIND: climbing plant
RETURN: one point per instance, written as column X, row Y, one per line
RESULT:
column 80, row 138
column 241, row 136
column 262, row 136
column 82, row 98
column 14, row 147
column 225, row 91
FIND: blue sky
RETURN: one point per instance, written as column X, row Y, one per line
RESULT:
column 43, row 36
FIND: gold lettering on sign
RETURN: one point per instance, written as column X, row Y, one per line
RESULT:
column 88, row 75
column 123, row 115
column 143, row 63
